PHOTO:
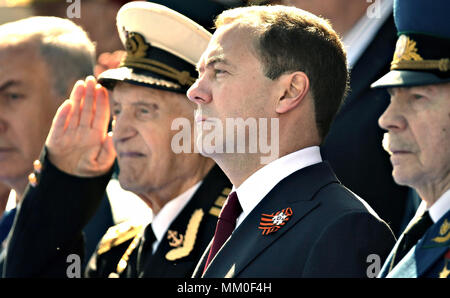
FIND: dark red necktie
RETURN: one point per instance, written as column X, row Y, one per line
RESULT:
column 225, row 225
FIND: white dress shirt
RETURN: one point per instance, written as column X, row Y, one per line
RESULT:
column 260, row 183
column 162, row 221
column 440, row 207
column 12, row 201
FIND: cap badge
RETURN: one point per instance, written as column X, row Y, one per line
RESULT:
column 405, row 49
column 136, row 45
column 271, row 223
column 406, row 57
column 137, row 57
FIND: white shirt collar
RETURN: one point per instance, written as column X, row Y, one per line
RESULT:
column 162, row 221
column 363, row 32
column 12, row 201
column 440, row 207
column 260, row 183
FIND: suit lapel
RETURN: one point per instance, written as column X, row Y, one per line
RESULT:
column 198, row 272
column 247, row 241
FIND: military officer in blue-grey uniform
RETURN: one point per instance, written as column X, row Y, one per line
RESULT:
column 184, row 189
column 418, row 135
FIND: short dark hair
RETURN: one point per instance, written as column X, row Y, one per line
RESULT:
column 290, row 39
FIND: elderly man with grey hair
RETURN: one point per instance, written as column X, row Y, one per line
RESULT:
column 40, row 60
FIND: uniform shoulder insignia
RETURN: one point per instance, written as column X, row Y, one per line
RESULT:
column 118, row 234
column 218, row 203
column 444, row 233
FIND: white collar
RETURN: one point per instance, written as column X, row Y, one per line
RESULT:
column 363, row 32
column 162, row 221
column 440, row 207
column 260, row 183
column 12, row 200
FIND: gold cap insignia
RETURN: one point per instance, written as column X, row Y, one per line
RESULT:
column 136, row 45
column 406, row 56
column 405, row 50
column 136, row 57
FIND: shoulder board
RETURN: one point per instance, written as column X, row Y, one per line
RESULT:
column 118, row 234
column 218, row 203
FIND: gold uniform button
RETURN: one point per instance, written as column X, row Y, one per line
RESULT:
column 32, row 179
column 37, row 166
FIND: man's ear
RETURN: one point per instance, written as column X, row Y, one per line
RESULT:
column 295, row 86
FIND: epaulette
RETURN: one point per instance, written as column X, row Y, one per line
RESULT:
column 118, row 234
column 218, row 203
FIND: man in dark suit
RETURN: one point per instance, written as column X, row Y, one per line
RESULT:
column 185, row 190
column 418, row 135
column 291, row 217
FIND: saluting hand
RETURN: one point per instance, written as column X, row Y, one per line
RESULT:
column 78, row 142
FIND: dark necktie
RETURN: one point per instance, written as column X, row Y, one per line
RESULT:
column 411, row 236
column 145, row 249
column 225, row 225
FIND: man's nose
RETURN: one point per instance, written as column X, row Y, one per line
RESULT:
column 199, row 92
column 392, row 119
column 122, row 129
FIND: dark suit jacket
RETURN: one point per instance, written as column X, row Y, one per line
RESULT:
column 430, row 257
column 331, row 233
column 49, row 227
column 353, row 145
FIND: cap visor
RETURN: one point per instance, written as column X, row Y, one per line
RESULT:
column 407, row 78
column 128, row 75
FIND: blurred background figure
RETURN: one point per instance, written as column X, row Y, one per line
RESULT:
column 6, row 216
column 40, row 60
column 4, row 194
column 353, row 145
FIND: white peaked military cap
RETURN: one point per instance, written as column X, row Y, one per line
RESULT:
column 162, row 46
